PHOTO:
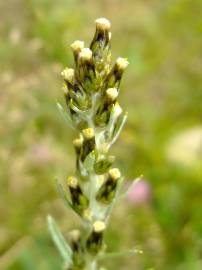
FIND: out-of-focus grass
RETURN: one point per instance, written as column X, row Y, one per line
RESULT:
column 162, row 92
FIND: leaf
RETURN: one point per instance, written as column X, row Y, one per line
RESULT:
column 120, row 253
column 89, row 161
column 63, row 195
column 119, row 125
column 103, row 164
column 112, row 121
column 59, row 240
column 65, row 115
column 131, row 186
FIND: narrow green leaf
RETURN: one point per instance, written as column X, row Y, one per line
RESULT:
column 118, row 128
column 65, row 115
column 89, row 161
column 131, row 186
column 59, row 240
column 63, row 195
column 120, row 253
column 112, row 121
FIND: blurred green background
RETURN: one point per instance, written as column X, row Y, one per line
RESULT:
column 162, row 91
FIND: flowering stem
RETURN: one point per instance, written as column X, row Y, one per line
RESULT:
column 91, row 92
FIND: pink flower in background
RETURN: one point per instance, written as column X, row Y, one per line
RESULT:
column 140, row 193
column 40, row 153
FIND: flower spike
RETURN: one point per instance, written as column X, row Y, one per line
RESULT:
column 91, row 92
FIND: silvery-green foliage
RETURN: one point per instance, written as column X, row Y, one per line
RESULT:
column 91, row 92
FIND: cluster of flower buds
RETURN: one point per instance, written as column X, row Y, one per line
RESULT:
column 93, row 85
column 91, row 93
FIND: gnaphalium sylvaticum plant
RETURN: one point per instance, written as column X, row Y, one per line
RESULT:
column 91, row 91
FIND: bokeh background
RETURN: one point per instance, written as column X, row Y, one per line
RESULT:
column 162, row 91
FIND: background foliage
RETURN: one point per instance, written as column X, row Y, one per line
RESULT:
column 162, row 91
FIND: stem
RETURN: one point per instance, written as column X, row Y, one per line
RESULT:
column 92, row 189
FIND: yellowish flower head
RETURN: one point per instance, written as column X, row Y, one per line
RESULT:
column 68, row 74
column 99, row 226
column 122, row 63
column 114, row 173
column 72, row 181
column 103, row 24
column 77, row 45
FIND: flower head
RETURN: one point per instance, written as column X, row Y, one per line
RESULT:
column 122, row 63
column 103, row 24
column 77, row 45
column 85, row 55
column 68, row 75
